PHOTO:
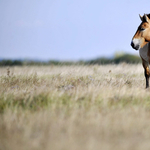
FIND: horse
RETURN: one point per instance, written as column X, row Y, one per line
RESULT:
column 141, row 42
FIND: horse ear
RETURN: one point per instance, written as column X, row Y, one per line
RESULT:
column 145, row 18
column 141, row 17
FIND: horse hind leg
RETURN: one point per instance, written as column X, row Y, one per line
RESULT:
column 146, row 72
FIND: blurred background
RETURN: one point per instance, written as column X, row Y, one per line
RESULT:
column 68, row 30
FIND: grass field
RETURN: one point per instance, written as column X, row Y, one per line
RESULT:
column 102, row 107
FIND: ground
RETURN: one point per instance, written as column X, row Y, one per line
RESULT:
column 97, row 107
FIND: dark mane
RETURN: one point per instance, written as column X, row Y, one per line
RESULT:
column 148, row 15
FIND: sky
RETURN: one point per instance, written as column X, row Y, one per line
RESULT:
column 68, row 29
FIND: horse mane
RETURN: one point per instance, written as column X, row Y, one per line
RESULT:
column 148, row 15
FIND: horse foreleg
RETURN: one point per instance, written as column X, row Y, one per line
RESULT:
column 147, row 77
column 146, row 71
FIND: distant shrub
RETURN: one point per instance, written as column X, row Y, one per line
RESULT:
column 128, row 58
column 100, row 60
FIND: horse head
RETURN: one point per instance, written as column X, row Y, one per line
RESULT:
column 142, row 35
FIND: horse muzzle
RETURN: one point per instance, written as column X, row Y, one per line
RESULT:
column 135, row 46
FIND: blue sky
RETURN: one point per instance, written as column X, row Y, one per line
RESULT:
column 68, row 29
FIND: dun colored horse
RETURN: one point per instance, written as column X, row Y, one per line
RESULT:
column 141, row 42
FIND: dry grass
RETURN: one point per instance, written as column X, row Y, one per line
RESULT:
column 74, row 108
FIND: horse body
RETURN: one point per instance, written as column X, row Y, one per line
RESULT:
column 143, row 52
column 141, row 42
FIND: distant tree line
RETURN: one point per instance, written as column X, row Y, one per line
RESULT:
column 11, row 62
column 127, row 58
column 118, row 58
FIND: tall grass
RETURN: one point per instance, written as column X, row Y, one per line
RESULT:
column 74, row 107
